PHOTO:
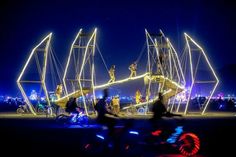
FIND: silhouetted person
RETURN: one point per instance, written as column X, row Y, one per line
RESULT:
column 103, row 112
column 71, row 106
column 158, row 108
column 230, row 104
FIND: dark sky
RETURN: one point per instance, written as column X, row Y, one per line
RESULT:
column 120, row 29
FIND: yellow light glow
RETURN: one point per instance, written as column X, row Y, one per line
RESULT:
column 75, row 93
column 191, row 69
column 149, row 64
column 44, row 71
column 42, row 81
column 178, row 61
column 121, row 81
column 31, row 54
column 140, row 104
column 187, row 38
column 68, row 61
column 150, row 101
column 82, row 67
column 170, row 84
column 182, row 78
column 93, row 73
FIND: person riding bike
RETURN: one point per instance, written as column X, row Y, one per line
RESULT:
column 103, row 113
column 72, row 108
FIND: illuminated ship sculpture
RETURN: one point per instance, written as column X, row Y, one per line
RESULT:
column 164, row 71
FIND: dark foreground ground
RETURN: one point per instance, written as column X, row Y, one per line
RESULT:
column 30, row 136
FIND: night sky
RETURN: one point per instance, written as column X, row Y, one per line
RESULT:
column 120, row 26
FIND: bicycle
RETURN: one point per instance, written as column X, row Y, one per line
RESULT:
column 139, row 141
column 22, row 109
column 73, row 118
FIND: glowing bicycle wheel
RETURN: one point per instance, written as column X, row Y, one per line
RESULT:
column 189, row 144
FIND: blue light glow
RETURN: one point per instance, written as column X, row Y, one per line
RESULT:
column 134, row 132
column 100, row 136
column 175, row 135
column 110, row 145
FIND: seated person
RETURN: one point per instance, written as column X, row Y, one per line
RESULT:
column 103, row 110
column 71, row 106
column 159, row 109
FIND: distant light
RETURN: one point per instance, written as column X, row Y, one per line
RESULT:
column 100, row 96
column 157, row 132
column 33, row 95
column 100, row 136
column 43, row 98
column 134, row 132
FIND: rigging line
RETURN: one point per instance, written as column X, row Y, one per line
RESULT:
column 184, row 63
column 102, row 57
column 188, row 71
column 52, row 65
column 183, row 60
column 56, row 67
column 94, row 73
column 175, row 61
column 80, row 53
column 141, row 53
column 153, row 65
column 158, row 58
column 74, row 61
column 88, row 56
column 55, row 72
column 183, row 55
column 90, row 66
column 153, row 57
column 85, row 62
column 38, row 65
column 179, row 68
column 57, row 61
column 196, row 68
column 176, row 93
column 50, row 62
column 53, row 68
column 78, row 62
column 174, row 68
